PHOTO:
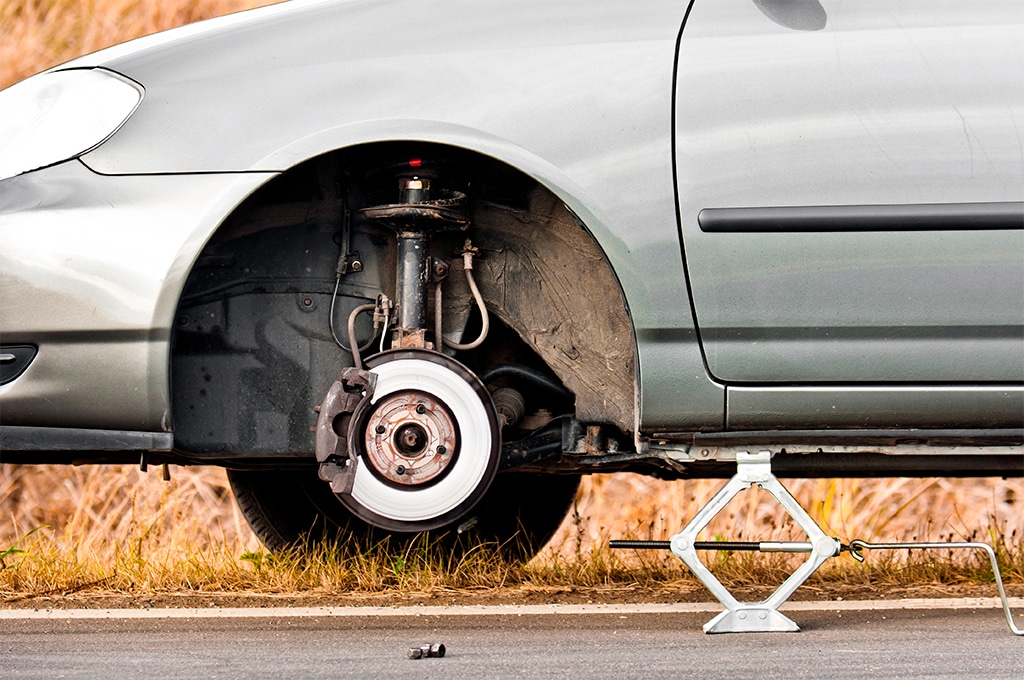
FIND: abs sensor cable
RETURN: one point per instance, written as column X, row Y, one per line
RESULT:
column 355, row 312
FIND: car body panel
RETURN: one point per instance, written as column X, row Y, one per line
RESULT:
column 889, row 105
column 90, row 270
column 605, row 84
column 924, row 407
column 585, row 108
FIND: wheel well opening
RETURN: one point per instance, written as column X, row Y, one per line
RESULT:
column 261, row 328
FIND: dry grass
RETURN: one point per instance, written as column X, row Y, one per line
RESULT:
column 632, row 506
column 63, row 529
column 117, row 529
column 874, row 510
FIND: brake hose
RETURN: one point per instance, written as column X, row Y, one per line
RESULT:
column 485, row 321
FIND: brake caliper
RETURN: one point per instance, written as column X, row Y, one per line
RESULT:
column 334, row 452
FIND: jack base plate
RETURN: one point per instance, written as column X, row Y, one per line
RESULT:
column 751, row 620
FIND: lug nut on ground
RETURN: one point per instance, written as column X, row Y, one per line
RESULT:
column 435, row 650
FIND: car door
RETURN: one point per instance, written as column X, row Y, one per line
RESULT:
column 850, row 181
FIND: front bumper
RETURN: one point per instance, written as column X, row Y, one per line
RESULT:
column 91, row 267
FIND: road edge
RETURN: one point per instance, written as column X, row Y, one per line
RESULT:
column 1016, row 603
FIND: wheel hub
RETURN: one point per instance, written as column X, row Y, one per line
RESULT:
column 410, row 444
column 411, row 439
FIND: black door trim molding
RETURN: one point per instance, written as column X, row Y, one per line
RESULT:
column 1007, row 215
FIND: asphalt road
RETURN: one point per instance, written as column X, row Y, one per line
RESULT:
column 628, row 642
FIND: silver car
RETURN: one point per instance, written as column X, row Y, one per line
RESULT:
column 417, row 266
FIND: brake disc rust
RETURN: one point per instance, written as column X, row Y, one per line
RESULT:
column 411, row 439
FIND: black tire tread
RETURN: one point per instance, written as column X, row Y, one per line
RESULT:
column 294, row 509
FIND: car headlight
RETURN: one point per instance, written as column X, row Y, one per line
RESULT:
column 59, row 115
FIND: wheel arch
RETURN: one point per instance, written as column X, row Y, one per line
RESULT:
column 576, row 347
column 497, row 149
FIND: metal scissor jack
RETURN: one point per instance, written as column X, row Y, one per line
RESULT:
column 763, row 617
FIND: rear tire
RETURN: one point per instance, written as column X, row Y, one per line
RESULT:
column 295, row 509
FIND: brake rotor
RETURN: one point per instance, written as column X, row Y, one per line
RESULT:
column 427, row 442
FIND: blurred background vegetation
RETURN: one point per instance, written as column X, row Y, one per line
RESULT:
column 38, row 34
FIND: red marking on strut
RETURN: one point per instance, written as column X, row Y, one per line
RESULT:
column 415, row 162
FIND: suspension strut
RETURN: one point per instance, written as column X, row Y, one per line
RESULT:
column 420, row 213
column 423, row 446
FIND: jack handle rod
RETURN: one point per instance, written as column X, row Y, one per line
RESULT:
column 857, row 547
column 752, row 546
